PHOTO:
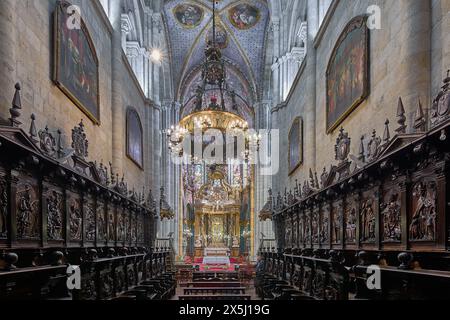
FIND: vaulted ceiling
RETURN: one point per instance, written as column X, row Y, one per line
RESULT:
column 241, row 32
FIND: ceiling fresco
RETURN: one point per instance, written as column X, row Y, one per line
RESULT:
column 241, row 34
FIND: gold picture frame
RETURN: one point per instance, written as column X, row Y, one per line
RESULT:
column 60, row 76
column 357, row 57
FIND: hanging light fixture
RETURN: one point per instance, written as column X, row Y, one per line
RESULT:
column 212, row 114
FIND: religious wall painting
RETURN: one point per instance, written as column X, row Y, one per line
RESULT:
column 390, row 209
column 351, row 219
column 295, row 156
column 188, row 15
column 135, row 138
column 221, row 37
column 27, row 204
column 244, row 16
column 347, row 76
column 422, row 225
column 3, row 208
column 76, row 67
column 54, row 207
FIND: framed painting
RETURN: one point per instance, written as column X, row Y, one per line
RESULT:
column 347, row 74
column 135, row 144
column 75, row 62
column 295, row 155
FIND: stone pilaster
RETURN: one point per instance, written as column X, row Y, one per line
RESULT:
column 9, row 43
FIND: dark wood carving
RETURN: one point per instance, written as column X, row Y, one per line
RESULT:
column 54, row 207
column 75, row 212
column 423, row 211
column 3, row 207
column 27, row 204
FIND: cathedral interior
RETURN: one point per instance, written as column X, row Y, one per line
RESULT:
column 205, row 150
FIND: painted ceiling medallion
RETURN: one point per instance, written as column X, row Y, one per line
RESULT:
column 188, row 15
column 221, row 37
column 244, row 16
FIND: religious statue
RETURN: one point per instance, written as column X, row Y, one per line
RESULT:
column 235, row 242
column 198, row 242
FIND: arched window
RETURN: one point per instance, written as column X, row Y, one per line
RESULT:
column 135, row 145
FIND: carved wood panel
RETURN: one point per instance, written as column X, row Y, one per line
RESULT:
column 351, row 219
column 101, row 221
column 4, row 204
column 295, row 231
column 337, row 211
column 325, row 225
column 112, row 222
column 53, row 208
column 390, row 214
column 315, row 225
column 422, row 218
column 368, row 216
column 28, row 216
column 89, row 219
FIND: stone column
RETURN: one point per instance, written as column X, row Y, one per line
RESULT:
column 311, row 106
column 413, row 73
column 275, row 67
column 118, row 109
column 8, row 61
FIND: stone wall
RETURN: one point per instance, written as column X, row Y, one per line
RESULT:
column 400, row 66
column 26, row 57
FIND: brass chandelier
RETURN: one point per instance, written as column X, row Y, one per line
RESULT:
column 210, row 114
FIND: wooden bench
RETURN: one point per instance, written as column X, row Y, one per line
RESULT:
column 217, row 297
column 220, row 284
column 214, row 290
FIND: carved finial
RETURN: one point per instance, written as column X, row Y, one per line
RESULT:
column 401, row 117
column 362, row 151
column 59, row 146
column 419, row 119
column 16, row 107
column 387, row 133
column 316, row 180
column 33, row 131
